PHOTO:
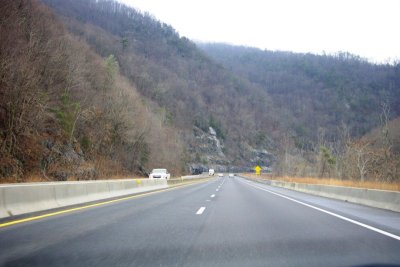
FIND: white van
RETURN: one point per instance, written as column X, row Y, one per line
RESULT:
column 211, row 172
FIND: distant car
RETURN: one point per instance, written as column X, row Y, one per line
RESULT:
column 220, row 175
column 211, row 172
column 159, row 174
column 231, row 175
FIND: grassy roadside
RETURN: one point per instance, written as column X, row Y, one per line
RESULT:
column 395, row 186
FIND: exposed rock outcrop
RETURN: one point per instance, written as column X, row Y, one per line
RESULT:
column 209, row 153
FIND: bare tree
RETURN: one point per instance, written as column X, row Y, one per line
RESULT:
column 384, row 117
column 363, row 158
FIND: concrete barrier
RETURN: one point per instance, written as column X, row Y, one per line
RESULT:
column 20, row 199
column 70, row 194
column 146, row 184
column 16, row 199
column 3, row 211
column 119, row 187
column 97, row 190
column 383, row 199
column 198, row 176
column 188, row 178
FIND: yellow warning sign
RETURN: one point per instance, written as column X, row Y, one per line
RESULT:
column 257, row 169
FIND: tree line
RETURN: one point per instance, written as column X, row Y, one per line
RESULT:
column 66, row 112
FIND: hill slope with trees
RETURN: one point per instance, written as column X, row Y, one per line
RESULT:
column 333, row 101
column 318, row 91
column 66, row 112
column 94, row 88
column 194, row 91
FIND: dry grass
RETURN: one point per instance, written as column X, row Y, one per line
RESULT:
column 34, row 178
column 329, row 181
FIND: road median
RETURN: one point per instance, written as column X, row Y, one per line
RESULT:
column 17, row 199
column 188, row 179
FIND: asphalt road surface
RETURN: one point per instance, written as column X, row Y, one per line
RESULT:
column 222, row 222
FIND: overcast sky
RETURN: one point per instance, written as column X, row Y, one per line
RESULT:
column 369, row 28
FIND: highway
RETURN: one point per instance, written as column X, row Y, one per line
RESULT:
column 221, row 222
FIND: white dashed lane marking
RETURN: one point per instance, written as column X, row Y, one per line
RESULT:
column 200, row 211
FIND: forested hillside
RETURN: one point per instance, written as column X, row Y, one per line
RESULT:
column 332, row 101
column 318, row 91
column 94, row 89
column 67, row 113
column 193, row 90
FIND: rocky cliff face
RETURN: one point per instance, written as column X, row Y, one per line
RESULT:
column 209, row 153
column 62, row 161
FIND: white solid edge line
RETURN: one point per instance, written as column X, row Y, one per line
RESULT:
column 330, row 213
column 201, row 210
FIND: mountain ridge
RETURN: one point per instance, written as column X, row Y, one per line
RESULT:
column 158, row 95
